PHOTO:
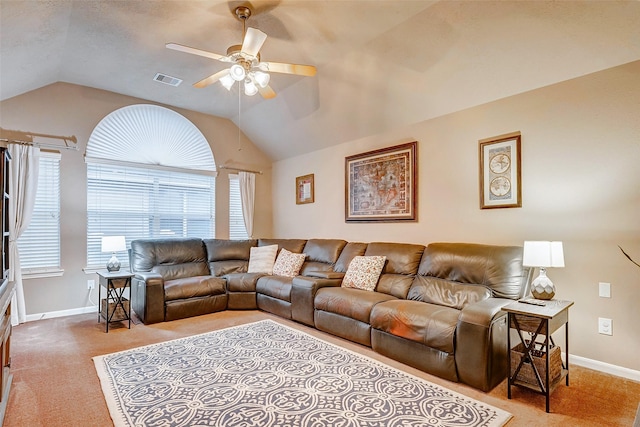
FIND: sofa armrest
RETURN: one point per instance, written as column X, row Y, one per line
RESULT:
column 481, row 343
column 147, row 297
column 303, row 292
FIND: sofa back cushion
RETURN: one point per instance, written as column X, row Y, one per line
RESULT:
column 292, row 245
column 402, row 264
column 322, row 254
column 171, row 258
column 349, row 252
column 445, row 292
column 499, row 268
column 228, row 256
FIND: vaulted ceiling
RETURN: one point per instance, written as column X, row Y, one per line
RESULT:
column 381, row 64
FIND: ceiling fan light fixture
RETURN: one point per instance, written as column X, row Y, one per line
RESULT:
column 261, row 78
column 250, row 88
column 227, row 81
column 237, row 72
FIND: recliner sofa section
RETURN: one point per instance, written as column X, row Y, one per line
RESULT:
column 293, row 297
column 172, row 280
column 451, row 323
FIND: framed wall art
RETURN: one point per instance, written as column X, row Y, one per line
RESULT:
column 304, row 189
column 381, row 185
column 500, row 182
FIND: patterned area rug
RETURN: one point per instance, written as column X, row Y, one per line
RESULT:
column 267, row 374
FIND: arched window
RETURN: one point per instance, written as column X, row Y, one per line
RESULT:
column 150, row 174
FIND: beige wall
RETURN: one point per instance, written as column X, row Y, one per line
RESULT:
column 581, row 185
column 66, row 109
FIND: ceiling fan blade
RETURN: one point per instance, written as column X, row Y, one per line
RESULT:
column 253, row 41
column 266, row 92
column 211, row 79
column 194, row 51
column 301, row 70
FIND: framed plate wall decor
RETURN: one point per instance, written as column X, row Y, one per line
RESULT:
column 500, row 178
column 381, row 185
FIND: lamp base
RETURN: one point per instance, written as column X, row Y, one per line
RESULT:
column 113, row 264
column 542, row 287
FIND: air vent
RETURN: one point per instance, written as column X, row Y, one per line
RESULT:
column 168, row 80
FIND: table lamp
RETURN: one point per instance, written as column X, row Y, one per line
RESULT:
column 113, row 244
column 543, row 255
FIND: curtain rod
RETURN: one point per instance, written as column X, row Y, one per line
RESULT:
column 238, row 169
column 39, row 144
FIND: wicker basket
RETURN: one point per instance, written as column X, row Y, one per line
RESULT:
column 527, row 374
column 119, row 314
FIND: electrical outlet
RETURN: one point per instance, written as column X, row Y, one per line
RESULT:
column 91, row 284
column 604, row 290
column 605, row 326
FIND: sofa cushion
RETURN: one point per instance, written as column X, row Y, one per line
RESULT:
column 352, row 303
column 242, row 282
column 429, row 324
column 363, row 272
column 292, row 245
column 402, row 258
column 351, row 250
column 497, row 267
column 261, row 259
column 288, row 264
column 278, row 287
column 171, row 258
column 228, row 256
column 447, row 293
column 192, row 287
column 322, row 254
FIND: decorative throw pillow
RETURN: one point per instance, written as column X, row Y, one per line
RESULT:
column 363, row 272
column 288, row 264
column 261, row 259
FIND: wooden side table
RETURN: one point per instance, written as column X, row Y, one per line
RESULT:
column 536, row 364
column 115, row 307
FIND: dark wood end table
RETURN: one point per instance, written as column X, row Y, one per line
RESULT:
column 115, row 307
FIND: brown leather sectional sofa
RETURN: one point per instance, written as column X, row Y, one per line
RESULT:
column 435, row 307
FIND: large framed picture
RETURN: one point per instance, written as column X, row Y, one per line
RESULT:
column 304, row 189
column 381, row 185
column 500, row 182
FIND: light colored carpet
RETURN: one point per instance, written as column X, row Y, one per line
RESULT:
column 267, row 374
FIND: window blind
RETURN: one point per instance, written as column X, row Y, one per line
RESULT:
column 144, row 203
column 39, row 244
column 237, row 230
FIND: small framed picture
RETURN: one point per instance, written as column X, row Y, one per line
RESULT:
column 500, row 182
column 304, row 189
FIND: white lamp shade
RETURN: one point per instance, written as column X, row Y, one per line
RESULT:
column 250, row 88
column 543, row 254
column 237, row 72
column 227, row 81
column 113, row 244
column 261, row 78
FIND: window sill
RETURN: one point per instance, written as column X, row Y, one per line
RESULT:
column 39, row 274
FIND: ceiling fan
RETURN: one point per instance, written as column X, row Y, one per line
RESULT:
column 245, row 59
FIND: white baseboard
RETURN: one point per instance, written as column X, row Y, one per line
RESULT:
column 62, row 313
column 596, row 365
column 607, row 368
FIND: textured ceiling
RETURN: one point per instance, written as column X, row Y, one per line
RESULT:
column 381, row 64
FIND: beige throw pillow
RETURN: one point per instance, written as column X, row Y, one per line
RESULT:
column 288, row 263
column 262, row 258
column 363, row 272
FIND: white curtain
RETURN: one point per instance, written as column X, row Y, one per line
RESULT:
column 23, row 185
column 247, row 181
